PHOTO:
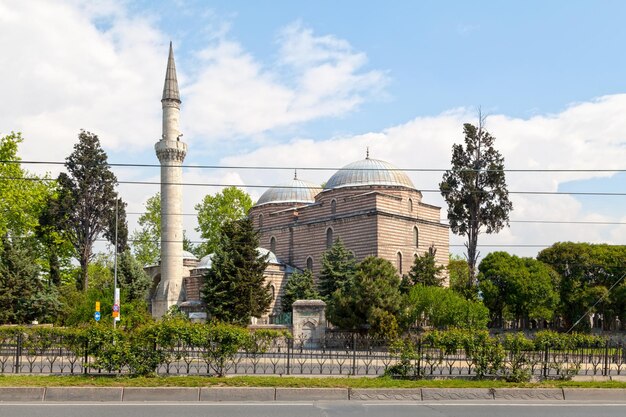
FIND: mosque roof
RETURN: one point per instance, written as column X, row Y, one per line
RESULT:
column 369, row 172
column 296, row 191
column 207, row 261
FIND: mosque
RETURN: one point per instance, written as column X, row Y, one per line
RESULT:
column 371, row 205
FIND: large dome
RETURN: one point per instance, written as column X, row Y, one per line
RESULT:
column 297, row 191
column 369, row 172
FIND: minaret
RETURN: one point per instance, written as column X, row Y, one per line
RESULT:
column 171, row 152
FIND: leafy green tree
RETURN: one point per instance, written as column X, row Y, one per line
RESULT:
column 146, row 241
column 22, row 195
column 300, row 286
column 591, row 279
column 23, row 296
column 519, row 289
column 235, row 288
column 85, row 207
column 458, row 271
column 132, row 278
column 369, row 300
column 424, row 271
column 134, row 310
column 216, row 210
column 57, row 250
column 443, row 308
column 475, row 190
column 338, row 267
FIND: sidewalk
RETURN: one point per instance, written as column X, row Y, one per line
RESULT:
column 233, row 394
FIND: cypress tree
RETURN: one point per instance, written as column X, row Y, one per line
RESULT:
column 300, row 286
column 338, row 267
column 235, row 288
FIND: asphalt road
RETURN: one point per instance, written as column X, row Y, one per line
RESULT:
column 313, row 409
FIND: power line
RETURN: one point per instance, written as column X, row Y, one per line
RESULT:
column 291, row 168
column 222, row 185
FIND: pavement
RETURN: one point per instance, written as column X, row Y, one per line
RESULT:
column 281, row 394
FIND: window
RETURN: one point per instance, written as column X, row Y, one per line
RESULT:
column 410, row 206
column 399, row 262
column 309, row 263
column 273, row 291
column 416, row 237
column 329, row 238
column 333, row 207
column 260, row 220
column 273, row 244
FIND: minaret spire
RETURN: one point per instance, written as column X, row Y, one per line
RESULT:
column 170, row 89
column 171, row 152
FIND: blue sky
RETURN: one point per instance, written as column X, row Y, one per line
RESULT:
column 309, row 84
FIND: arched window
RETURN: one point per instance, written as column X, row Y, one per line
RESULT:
column 399, row 262
column 273, row 291
column 416, row 237
column 273, row 244
column 260, row 220
column 309, row 263
column 410, row 206
column 333, row 206
column 329, row 238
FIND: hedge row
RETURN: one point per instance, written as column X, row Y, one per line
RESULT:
column 143, row 350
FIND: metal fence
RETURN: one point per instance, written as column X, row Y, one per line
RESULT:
column 336, row 354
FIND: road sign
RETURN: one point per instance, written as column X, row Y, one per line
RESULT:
column 97, row 305
column 116, row 308
column 96, row 315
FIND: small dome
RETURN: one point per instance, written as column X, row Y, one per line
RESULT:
column 271, row 258
column 296, row 191
column 369, row 172
column 189, row 255
column 205, row 262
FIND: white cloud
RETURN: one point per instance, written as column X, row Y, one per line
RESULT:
column 63, row 74
column 233, row 94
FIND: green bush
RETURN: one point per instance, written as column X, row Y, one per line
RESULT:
column 548, row 339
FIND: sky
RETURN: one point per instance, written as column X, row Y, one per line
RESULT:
column 312, row 84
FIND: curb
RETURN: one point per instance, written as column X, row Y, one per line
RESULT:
column 263, row 394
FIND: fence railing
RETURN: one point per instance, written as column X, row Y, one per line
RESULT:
column 342, row 354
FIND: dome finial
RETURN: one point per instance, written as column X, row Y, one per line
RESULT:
column 367, row 152
column 295, row 174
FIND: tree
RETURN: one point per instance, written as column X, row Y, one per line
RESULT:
column 591, row 279
column 475, row 190
column 235, row 288
column 518, row 289
column 147, row 240
column 132, row 278
column 22, row 195
column 444, row 308
column 300, row 286
column 23, row 202
column 369, row 300
column 216, row 210
column 85, row 207
column 458, row 271
column 23, row 296
column 424, row 271
column 338, row 267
